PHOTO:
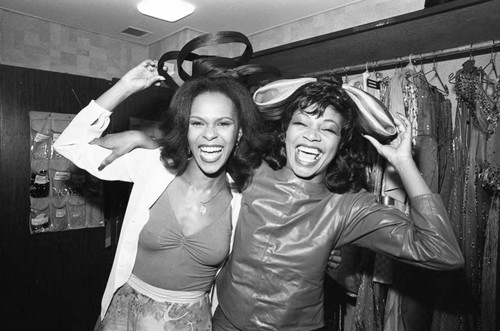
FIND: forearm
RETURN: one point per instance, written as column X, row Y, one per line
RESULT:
column 74, row 145
column 425, row 239
column 115, row 95
column 138, row 139
column 413, row 181
column 137, row 79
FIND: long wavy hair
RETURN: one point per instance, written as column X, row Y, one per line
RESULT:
column 174, row 143
column 346, row 172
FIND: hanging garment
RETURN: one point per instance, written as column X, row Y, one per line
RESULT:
column 469, row 203
column 490, row 179
column 415, row 286
column 445, row 146
column 411, row 299
column 374, row 270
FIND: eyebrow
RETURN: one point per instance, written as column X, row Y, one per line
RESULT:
column 218, row 118
column 332, row 121
column 326, row 120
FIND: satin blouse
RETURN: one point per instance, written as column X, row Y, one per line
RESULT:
column 287, row 227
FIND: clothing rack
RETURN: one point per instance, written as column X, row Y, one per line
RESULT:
column 468, row 49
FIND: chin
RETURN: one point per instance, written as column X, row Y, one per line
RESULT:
column 212, row 169
column 302, row 173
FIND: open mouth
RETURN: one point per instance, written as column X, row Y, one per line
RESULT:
column 307, row 154
column 210, row 152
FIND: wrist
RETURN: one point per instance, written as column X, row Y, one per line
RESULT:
column 124, row 88
column 404, row 163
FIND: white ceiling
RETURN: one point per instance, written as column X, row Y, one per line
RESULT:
column 110, row 17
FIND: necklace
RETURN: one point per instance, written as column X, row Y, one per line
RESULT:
column 203, row 208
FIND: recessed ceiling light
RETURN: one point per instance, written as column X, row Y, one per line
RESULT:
column 167, row 10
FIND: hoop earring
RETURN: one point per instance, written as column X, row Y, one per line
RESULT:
column 189, row 153
column 282, row 137
column 282, row 147
column 237, row 145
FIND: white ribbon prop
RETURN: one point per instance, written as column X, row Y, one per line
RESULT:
column 375, row 119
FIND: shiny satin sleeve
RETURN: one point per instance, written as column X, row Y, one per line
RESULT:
column 425, row 238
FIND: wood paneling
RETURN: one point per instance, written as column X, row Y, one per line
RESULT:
column 54, row 281
column 50, row 281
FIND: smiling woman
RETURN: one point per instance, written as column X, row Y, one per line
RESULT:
column 183, row 203
column 309, row 198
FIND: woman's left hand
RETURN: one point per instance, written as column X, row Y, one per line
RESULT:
column 398, row 151
column 143, row 76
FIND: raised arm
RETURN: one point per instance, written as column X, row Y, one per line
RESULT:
column 89, row 124
column 137, row 79
column 425, row 238
column 398, row 154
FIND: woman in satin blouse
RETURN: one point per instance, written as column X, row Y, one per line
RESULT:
column 306, row 197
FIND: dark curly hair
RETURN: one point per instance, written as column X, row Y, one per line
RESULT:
column 347, row 170
column 175, row 128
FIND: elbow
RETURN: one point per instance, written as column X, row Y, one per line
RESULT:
column 460, row 262
column 59, row 148
column 58, row 145
column 455, row 261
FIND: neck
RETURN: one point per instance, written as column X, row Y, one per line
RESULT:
column 313, row 179
column 202, row 181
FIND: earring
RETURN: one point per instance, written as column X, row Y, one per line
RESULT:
column 237, row 146
column 189, row 153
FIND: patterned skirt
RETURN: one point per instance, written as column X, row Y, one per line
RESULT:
column 133, row 311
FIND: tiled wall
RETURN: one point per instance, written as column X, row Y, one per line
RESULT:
column 33, row 43
column 30, row 42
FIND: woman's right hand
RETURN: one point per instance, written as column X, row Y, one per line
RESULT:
column 122, row 143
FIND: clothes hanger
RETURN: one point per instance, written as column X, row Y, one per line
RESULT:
column 469, row 65
column 444, row 88
column 485, row 77
column 420, row 72
column 468, row 69
column 423, row 77
column 410, row 65
column 346, row 79
column 366, row 77
column 410, row 71
column 377, row 78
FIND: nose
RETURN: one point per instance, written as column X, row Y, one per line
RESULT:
column 210, row 132
column 312, row 134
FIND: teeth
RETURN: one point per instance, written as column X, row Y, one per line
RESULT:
column 309, row 150
column 211, row 149
column 308, row 154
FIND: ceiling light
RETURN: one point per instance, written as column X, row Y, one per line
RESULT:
column 167, row 10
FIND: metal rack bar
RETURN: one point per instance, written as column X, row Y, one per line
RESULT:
column 468, row 49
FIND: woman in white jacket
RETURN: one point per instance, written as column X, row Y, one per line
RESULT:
column 177, row 228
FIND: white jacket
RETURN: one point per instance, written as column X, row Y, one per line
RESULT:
column 142, row 167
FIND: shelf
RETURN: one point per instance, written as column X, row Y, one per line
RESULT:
column 448, row 25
